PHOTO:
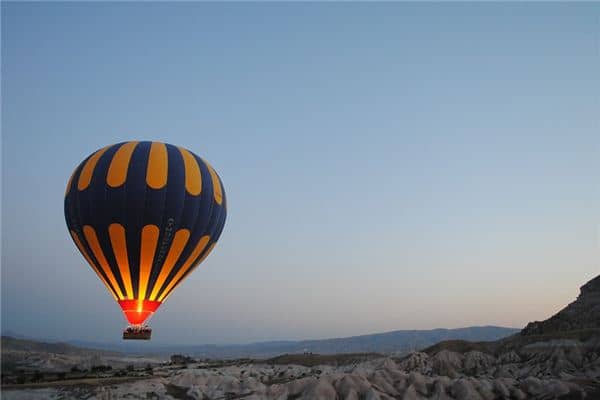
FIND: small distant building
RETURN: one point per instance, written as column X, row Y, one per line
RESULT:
column 181, row 359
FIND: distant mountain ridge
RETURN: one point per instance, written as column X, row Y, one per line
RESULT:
column 400, row 341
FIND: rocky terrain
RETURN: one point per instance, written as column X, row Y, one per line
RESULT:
column 31, row 356
column 554, row 359
column 568, row 370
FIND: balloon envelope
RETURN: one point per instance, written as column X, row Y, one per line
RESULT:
column 144, row 215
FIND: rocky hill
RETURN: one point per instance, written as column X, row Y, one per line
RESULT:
column 579, row 321
column 582, row 314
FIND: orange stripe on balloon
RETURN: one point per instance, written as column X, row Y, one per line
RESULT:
column 188, row 263
column 193, row 178
column 179, row 242
column 148, row 247
column 218, row 192
column 156, row 173
column 89, row 260
column 117, row 171
column 85, row 178
column 92, row 239
column 206, row 253
column 119, row 245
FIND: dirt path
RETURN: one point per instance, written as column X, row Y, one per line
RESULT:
column 77, row 382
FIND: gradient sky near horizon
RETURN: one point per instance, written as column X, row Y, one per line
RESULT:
column 388, row 166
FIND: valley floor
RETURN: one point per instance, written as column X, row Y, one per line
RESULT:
column 550, row 370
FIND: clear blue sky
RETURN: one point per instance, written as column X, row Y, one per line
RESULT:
column 387, row 166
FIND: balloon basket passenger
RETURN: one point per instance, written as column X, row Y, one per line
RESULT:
column 137, row 332
column 138, row 313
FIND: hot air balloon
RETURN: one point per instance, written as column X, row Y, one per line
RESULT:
column 144, row 215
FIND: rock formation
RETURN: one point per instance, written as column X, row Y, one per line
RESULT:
column 583, row 313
